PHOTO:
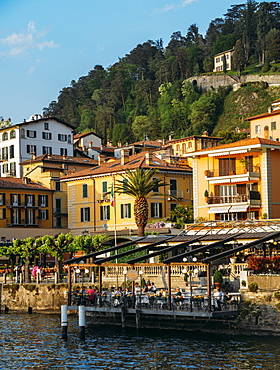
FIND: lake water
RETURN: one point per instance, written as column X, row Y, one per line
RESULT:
column 34, row 342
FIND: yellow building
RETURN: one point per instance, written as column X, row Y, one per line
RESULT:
column 24, row 204
column 48, row 169
column 89, row 204
column 221, row 58
column 241, row 180
column 266, row 125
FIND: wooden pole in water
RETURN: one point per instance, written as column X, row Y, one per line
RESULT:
column 64, row 321
column 69, row 284
column 209, row 286
column 169, row 285
column 82, row 322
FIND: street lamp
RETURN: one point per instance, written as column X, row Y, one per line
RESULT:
column 124, row 273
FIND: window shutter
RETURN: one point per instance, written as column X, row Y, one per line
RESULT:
column 47, row 201
column 104, row 187
column 121, row 210
column 4, row 199
column 152, row 209
column 40, row 200
column 129, row 210
column 108, row 212
column 160, row 210
column 4, row 212
column 101, row 213
column 88, row 214
column 82, row 215
column 47, row 214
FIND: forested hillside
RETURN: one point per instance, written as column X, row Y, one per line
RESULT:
column 146, row 93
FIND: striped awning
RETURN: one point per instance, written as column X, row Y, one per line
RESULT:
column 219, row 209
column 239, row 208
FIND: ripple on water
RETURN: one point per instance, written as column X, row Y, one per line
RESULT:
column 34, row 342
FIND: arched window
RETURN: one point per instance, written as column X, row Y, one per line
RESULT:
column 12, row 134
column 5, row 136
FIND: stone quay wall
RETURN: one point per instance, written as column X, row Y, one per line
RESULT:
column 208, row 83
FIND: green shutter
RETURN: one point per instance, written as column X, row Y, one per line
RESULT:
column 129, row 210
column 121, row 210
column 82, row 215
column 101, row 212
column 108, row 212
column 160, row 210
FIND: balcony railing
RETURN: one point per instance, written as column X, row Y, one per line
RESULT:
column 60, row 212
column 176, row 193
column 11, row 204
column 240, row 198
column 237, row 171
column 102, row 197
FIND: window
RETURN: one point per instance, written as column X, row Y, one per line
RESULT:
column 13, row 169
column 58, row 204
column 172, row 206
column 63, row 151
column 184, row 148
column 43, row 214
column 31, row 149
column 46, row 126
column 258, row 129
column 57, row 185
column 69, row 139
column 2, row 213
column 2, row 199
column 15, row 200
column 12, row 134
column 12, row 151
column 189, row 144
column 29, row 200
column 16, row 217
column 5, row 153
column 46, row 135
column 104, row 213
column 22, row 132
column 273, row 125
column 85, row 214
column 156, row 210
column 155, row 188
column 217, row 60
column 31, row 133
column 62, row 137
column 85, row 191
column 47, row 150
column 173, row 187
column 43, row 200
column 104, row 190
column 30, row 216
column 126, row 210
column 5, row 168
column 5, row 136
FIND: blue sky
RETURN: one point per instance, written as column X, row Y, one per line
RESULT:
column 45, row 44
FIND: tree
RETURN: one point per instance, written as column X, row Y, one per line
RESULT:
column 141, row 128
column 273, row 45
column 238, row 58
column 57, row 247
column 139, row 184
column 27, row 249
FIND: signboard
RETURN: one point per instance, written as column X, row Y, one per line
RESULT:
column 132, row 275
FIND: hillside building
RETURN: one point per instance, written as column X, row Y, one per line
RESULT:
column 220, row 58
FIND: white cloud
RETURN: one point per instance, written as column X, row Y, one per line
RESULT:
column 169, row 7
column 22, row 43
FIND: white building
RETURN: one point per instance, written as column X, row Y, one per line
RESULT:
column 34, row 137
column 219, row 61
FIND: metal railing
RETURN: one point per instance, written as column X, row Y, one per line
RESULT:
column 240, row 198
column 231, row 172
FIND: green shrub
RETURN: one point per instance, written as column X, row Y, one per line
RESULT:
column 243, row 283
column 265, row 68
column 253, row 287
column 277, row 295
column 277, row 306
column 274, row 69
column 218, row 277
column 268, row 298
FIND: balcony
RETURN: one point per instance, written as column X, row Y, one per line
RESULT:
column 60, row 212
column 175, row 193
column 238, row 174
column 252, row 199
column 22, row 223
column 102, row 197
column 20, row 204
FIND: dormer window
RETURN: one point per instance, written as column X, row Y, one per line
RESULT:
column 46, row 126
column 5, row 136
column 12, row 134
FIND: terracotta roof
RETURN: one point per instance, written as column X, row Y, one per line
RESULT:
column 146, row 142
column 61, row 159
column 37, row 120
column 135, row 161
column 16, row 183
column 243, row 142
column 78, row 136
column 273, row 113
column 192, row 137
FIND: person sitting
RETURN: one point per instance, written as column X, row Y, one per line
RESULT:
column 137, row 289
column 145, row 288
column 217, row 297
column 153, row 288
column 90, row 293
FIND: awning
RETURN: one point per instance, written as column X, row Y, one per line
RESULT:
column 218, row 209
column 220, row 181
column 239, row 208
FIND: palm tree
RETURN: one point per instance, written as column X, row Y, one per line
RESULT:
column 140, row 184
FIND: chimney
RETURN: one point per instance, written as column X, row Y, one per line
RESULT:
column 149, row 158
column 119, row 144
column 269, row 110
column 205, row 133
column 170, row 137
column 109, row 143
column 124, row 156
column 101, row 159
column 90, row 144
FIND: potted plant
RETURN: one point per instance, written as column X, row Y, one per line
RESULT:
column 206, row 196
column 218, row 279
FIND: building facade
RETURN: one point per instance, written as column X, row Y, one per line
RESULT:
column 221, row 58
column 37, row 136
column 89, row 202
column 237, row 181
